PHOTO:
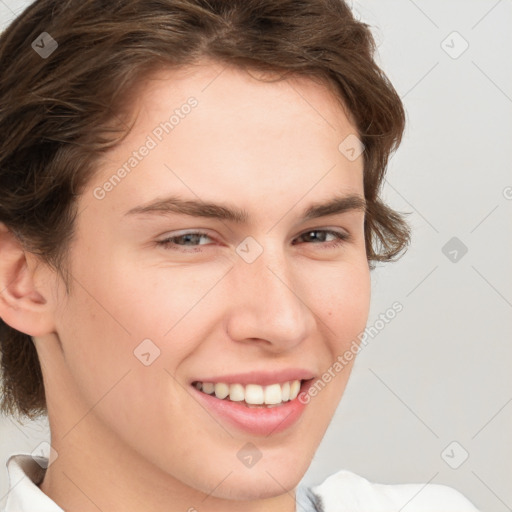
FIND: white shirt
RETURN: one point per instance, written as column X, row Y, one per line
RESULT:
column 343, row 491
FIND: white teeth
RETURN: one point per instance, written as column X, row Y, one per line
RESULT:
column 273, row 394
column 236, row 392
column 294, row 389
column 285, row 392
column 252, row 394
column 208, row 387
column 221, row 390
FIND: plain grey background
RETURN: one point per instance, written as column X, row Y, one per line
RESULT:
column 430, row 396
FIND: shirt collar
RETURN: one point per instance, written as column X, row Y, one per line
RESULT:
column 26, row 472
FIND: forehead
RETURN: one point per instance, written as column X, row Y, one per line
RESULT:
column 248, row 98
column 227, row 86
column 215, row 131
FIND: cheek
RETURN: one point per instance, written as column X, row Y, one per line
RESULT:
column 342, row 298
column 122, row 303
column 117, row 358
column 118, row 319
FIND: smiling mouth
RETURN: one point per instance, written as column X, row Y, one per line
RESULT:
column 253, row 395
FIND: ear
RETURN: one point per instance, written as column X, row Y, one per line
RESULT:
column 23, row 305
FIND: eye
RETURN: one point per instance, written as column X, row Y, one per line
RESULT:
column 185, row 240
column 318, row 237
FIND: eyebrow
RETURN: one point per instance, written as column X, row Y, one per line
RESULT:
column 174, row 204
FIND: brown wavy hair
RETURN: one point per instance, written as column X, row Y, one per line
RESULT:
column 59, row 114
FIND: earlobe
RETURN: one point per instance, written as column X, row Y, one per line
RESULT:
column 22, row 305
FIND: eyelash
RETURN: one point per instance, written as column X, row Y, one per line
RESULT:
column 169, row 242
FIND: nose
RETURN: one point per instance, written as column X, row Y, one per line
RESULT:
column 268, row 303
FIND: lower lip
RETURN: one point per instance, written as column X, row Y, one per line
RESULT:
column 260, row 421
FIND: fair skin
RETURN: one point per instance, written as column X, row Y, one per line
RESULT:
column 131, row 437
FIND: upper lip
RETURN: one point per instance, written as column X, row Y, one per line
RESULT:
column 261, row 377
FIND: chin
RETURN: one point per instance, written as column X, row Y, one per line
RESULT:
column 268, row 481
column 250, row 490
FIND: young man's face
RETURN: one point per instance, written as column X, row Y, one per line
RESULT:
column 266, row 300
